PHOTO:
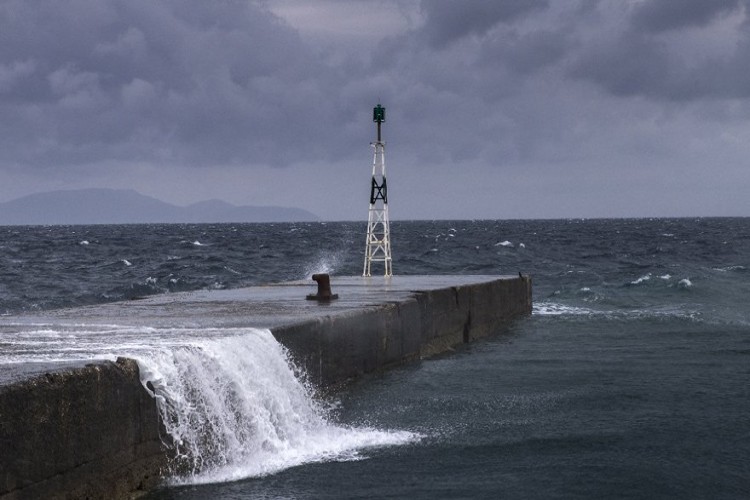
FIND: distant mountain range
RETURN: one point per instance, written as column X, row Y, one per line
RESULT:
column 124, row 206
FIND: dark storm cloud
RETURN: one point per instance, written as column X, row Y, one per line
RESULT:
column 497, row 91
column 629, row 65
column 211, row 83
column 528, row 52
column 649, row 57
column 177, row 81
column 450, row 20
column 461, row 75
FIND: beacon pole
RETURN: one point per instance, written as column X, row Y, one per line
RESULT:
column 378, row 242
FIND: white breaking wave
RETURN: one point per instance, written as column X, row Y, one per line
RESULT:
column 685, row 283
column 235, row 409
column 232, row 403
column 641, row 279
column 505, row 243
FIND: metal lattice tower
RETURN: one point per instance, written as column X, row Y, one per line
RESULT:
column 378, row 243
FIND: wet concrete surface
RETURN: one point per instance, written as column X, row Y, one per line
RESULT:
column 266, row 306
column 278, row 307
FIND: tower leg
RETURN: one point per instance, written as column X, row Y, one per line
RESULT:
column 378, row 242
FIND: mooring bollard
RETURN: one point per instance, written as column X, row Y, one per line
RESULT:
column 324, row 288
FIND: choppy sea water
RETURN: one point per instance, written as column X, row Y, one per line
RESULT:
column 630, row 380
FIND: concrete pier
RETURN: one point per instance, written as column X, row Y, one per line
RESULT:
column 53, row 418
column 84, row 432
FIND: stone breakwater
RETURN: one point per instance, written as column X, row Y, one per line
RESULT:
column 93, row 431
column 87, row 432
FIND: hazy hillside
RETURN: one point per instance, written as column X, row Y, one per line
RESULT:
column 116, row 206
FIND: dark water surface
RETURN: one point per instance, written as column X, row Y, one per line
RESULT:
column 630, row 380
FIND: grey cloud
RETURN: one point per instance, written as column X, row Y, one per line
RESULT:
column 639, row 60
column 479, row 95
column 654, row 16
column 15, row 72
column 529, row 52
column 188, row 82
column 450, row 20
column 630, row 65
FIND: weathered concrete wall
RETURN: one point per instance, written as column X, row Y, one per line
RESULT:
column 93, row 432
column 333, row 349
column 90, row 432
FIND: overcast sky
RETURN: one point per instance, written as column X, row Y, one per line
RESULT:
column 495, row 109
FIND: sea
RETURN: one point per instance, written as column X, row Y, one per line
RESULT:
column 630, row 379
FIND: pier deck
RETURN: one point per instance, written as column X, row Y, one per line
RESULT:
column 54, row 418
column 272, row 306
